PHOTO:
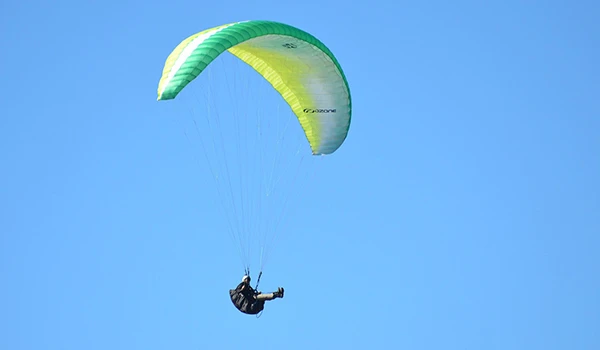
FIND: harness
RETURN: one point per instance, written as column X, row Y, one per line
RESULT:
column 243, row 303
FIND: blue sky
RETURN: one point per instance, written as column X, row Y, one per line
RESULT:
column 462, row 212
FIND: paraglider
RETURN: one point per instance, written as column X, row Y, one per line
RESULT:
column 250, row 301
column 301, row 69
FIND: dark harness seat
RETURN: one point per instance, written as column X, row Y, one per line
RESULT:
column 245, row 301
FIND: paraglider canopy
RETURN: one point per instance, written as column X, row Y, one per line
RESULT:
column 299, row 66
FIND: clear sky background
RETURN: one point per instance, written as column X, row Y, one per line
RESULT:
column 462, row 212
